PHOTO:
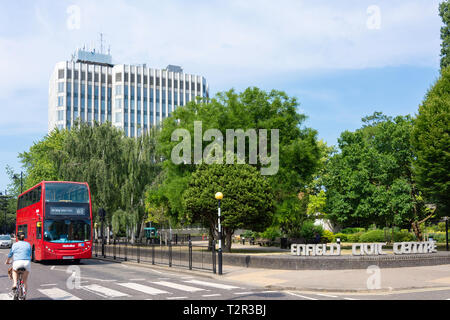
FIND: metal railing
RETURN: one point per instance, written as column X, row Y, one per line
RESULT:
column 180, row 253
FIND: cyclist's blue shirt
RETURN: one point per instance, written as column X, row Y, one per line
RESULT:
column 21, row 251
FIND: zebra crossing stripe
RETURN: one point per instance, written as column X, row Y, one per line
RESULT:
column 58, row 294
column 5, row 296
column 106, row 292
column 212, row 284
column 142, row 288
column 178, row 286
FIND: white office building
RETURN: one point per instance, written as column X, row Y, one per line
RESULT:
column 133, row 97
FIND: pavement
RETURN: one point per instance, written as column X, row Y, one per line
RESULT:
column 370, row 280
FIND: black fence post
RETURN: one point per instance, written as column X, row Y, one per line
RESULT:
column 138, row 251
column 170, row 253
column 190, row 254
column 213, row 251
column 153, row 254
column 114, row 249
column 126, row 247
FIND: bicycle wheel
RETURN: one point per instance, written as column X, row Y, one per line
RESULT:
column 16, row 291
column 22, row 291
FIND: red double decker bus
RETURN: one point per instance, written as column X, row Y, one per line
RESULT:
column 56, row 218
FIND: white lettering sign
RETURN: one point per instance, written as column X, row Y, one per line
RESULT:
column 332, row 249
column 363, row 249
column 368, row 249
column 414, row 247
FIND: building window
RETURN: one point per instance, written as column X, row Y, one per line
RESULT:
column 118, row 90
column 61, row 74
column 118, row 77
column 60, row 86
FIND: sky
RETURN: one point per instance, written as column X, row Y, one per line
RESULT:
column 343, row 60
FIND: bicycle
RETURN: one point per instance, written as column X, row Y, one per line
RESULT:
column 19, row 292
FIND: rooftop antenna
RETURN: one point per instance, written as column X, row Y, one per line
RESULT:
column 101, row 42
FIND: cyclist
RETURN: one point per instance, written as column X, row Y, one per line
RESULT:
column 21, row 254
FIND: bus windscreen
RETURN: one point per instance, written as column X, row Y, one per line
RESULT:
column 66, row 192
column 67, row 231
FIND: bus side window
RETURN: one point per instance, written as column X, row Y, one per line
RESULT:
column 24, row 229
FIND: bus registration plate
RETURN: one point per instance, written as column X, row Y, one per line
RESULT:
column 68, row 257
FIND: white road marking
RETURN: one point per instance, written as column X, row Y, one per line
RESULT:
column 212, row 284
column 137, row 279
column 300, row 296
column 58, row 294
column 173, row 298
column 178, row 286
column 5, row 296
column 244, row 293
column 326, row 295
column 49, row 285
column 106, row 292
column 350, row 299
column 104, row 280
column 211, row 295
column 142, row 288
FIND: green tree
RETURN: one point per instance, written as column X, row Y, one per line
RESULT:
column 299, row 152
column 444, row 12
column 371, row 181
column 247, row 204
column 39, row 162
column 94, row 154
column 431, row 141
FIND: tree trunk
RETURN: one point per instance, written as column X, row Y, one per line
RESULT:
column 228, row 236
column 416, row 228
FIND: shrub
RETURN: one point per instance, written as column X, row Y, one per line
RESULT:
column 309, row 230
column 352, row 230
column 249, row 234
column 342, row 236
column 328, row 236
column 438, row 236
column 354, row 237
column 270, row 233
column 403, row 236
column 441, row 227
column 372, row 236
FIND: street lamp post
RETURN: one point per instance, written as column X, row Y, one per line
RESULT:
column 219, row 197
